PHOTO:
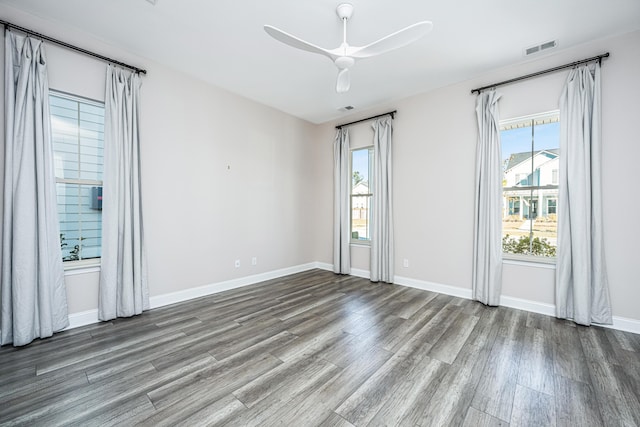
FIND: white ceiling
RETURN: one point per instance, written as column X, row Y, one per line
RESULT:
column 223, row 42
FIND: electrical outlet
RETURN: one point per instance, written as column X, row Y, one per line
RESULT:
column 254, row 261
column 405, row 263
column 237, row 263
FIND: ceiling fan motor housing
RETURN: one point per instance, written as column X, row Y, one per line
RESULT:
column 344, row 10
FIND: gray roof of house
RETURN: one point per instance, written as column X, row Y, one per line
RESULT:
column 517, row 158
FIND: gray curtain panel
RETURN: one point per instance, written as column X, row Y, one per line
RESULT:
column 582, row 291
column 382, row 261
column 487, row 241
column 34, row 300
column 341, row 203
column 123, row 273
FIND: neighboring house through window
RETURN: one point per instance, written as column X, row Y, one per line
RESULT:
column 361, row 168
column 77, row 126
column 531, row 158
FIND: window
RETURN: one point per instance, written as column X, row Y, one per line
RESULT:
column 531, row 158
column 361, row 167
column 77, row 127
column 522, row 179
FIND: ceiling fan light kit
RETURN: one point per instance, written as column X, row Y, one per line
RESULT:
column 345, row 56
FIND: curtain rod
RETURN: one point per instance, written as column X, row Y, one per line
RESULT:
column 550, row 70
column 72, row 47
column 391, row 113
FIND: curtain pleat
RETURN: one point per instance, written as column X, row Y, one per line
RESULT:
column 582, row 290
column 382, row 260
column 341, row 193
column 123, row 277
column 33, row 297
column 487, row 243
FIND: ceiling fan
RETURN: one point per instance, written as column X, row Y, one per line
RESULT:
column 345, row 56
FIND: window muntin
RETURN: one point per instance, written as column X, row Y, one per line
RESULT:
column 531, row 158
column 77, row 127
column 361, row 193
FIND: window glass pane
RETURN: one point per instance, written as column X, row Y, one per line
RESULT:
column 80, row 216
column 530, row 186
column 78, row 136
column 360, row 217
column 360, row 171
column 531, row 233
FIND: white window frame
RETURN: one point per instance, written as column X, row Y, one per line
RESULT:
column 359, row 242
column 553, row 116
column 91, row 264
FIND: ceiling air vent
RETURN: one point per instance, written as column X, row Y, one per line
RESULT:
column 541, row 47
column 346, row 108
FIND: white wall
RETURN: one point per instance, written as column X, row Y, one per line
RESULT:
column 223, row 178
column 434, row 154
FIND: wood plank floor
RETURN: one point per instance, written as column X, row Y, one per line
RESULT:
column 322, row 349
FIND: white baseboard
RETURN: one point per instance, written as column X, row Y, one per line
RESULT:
column 619, row 323
column 91, row 316
column 360, row 273
column 624, row 324
column 528, row 305
column 214, row 288
column 82, row 318
column 324, row 266
column 433, row 287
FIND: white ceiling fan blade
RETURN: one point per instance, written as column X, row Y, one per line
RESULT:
column 296, row 42
column 344, row 82
column 394, row 41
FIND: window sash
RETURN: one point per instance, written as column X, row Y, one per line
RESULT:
column 78, row 139
column 529, row 188
column 368, row 177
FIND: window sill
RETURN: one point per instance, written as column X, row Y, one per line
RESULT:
column 361, row 244
column 72, row 268
column 529, row 261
